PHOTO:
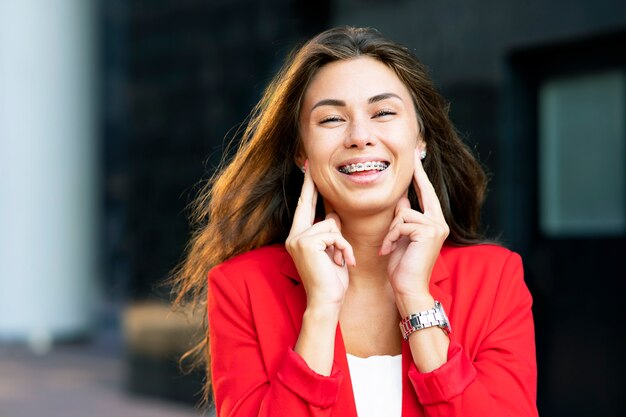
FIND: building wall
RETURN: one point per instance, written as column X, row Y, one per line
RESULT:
column 180, row 78
column 488, row 58
column 467, row 40
column 465, row 44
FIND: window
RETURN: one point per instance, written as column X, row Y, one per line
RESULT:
column 582, row 155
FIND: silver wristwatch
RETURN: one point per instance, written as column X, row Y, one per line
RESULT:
column 424, row 319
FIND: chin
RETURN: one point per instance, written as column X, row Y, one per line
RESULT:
column 366, row 205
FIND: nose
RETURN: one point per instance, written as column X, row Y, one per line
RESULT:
column 359, row 136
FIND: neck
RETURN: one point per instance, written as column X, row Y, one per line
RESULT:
column 366, row 234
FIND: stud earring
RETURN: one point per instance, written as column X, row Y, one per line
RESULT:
column 422, row 154
column 302, row 169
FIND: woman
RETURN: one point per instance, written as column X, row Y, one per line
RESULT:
column 312, row 273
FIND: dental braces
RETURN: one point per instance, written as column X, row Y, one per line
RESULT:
column 364, row 166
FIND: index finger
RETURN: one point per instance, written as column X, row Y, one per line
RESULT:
column 425, row 190
column 304, row 215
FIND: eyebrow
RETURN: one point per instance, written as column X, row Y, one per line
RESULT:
column 384, row 96
column 329, row 102
column 341, row 103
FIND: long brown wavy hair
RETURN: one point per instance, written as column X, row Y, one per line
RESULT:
column 250, row 200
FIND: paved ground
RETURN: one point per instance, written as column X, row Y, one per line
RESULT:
column 79, row 380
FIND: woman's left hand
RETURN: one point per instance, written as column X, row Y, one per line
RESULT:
column 414, row 241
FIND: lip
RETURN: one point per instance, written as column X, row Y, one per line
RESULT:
column 364, row 178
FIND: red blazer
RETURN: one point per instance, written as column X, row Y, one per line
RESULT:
column 255, row 307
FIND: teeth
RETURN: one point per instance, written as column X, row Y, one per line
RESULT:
column 364, row 166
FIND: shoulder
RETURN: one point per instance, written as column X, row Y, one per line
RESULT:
column 485, row 253
column 262, row 266
column 482, row 264
column 271, row 256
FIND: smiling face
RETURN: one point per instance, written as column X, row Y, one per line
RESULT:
column 359, row 130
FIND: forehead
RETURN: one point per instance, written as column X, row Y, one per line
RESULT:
column 354, row 80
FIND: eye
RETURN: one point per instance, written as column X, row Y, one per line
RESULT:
column 331, row 119
column 383, row 113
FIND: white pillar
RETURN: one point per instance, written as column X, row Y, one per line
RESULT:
column 48, row 167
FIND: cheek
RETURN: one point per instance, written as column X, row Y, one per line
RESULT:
column 322, row 179
column 317, row 160
column 319, row 151
column 310, row 143
column 406, row 168
column 406, row 175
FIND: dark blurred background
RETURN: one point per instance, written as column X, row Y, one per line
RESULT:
column 113, row 111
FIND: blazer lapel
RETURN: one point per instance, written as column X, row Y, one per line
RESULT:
column 295, row 299
column 345, row 407
column 410, row 403
column 440, row 285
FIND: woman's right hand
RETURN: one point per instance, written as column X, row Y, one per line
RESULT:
column 321, row 254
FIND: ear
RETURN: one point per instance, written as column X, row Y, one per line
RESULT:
column 421, row 144
column 421, row 147
column 300, row 157
column 299, row 161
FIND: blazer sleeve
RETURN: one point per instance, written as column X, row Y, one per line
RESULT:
column 241, row 384
column 502, row 379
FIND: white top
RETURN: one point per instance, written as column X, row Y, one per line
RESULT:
column 377, row 385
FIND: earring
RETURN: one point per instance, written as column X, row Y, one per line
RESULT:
column 422, row 154
column 302, row 169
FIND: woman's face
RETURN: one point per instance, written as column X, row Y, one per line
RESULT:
column 359, row 130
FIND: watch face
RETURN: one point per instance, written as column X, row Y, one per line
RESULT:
column 446, row 326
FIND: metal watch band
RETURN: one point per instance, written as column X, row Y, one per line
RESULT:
column 436, row 316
